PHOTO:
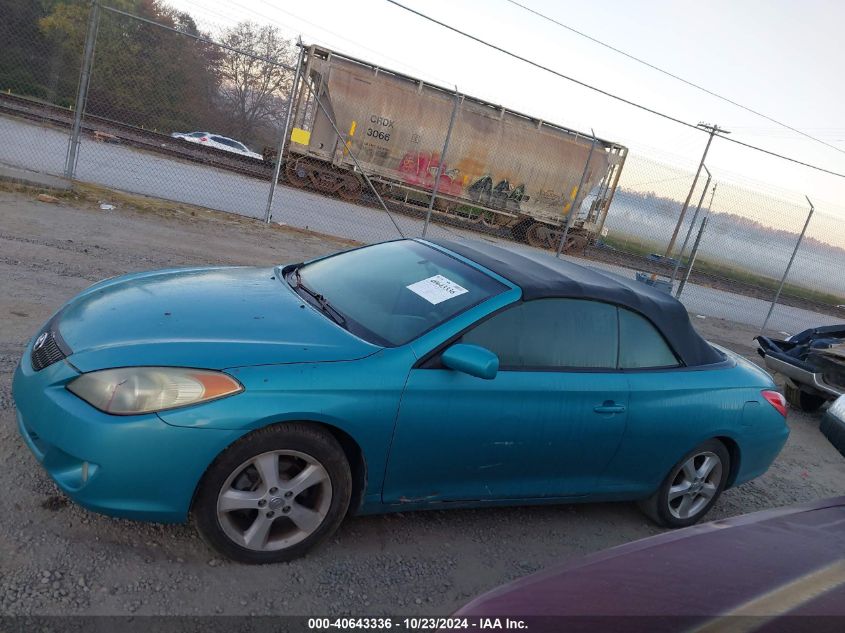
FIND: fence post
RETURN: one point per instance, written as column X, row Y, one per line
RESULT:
column 693, row 255
column 268, row 213
column 573, row 210
column 440, row 162
column 789, row 265
column 82, row 92
column 691, row 224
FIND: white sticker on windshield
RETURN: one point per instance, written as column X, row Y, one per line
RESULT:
column 437, row 289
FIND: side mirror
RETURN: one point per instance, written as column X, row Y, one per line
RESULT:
column 471, row 359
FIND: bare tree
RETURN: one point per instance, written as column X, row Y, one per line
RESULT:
column 254, row 87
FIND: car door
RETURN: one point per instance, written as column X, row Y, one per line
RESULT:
column 545, row 426
column 669, row 407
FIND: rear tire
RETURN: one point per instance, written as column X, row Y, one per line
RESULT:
column 703, row 473
column 801, row 400
column 274, row 494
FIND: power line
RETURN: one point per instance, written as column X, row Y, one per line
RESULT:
column 674, row 76
column 601, row 91
column 540, row 66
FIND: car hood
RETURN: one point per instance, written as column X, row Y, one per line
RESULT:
column 202, row 317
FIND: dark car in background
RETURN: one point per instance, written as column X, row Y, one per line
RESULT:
column 813, row 362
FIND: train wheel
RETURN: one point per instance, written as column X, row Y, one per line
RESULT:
column 538, row 235
column 350, row 189
column 296, row 172
column 576, row 244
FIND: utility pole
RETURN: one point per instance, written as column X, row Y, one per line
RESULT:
column 680, row 256
column 713, row 129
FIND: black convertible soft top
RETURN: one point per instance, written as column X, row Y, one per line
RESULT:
column 541, row 276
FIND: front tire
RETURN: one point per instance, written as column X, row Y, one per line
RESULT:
column 691, row 487
column 274, row 494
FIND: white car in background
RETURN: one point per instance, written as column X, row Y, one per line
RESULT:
column 218, row 142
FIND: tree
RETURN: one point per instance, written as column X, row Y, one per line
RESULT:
column 141, row 74
column 254, row 86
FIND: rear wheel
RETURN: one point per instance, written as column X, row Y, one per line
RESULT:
column 297, row 172
column 801, row 400
column 691, row 487
column 274, row 494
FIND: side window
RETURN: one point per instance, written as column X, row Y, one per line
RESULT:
column 551, row 334
column 640, row 344
column 223, row 141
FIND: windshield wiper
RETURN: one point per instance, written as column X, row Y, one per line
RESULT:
column 327, row 308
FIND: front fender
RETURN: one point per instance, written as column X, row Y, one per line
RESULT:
column 360, row 398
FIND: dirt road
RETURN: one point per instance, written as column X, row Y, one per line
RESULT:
column 56, row 558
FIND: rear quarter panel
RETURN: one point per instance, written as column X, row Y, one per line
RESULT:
column 673, row 411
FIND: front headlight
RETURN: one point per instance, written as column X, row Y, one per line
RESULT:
column 134, row 390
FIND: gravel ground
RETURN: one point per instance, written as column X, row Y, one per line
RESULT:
column 56, row 558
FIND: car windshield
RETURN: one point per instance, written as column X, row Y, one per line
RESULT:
column 391, row 293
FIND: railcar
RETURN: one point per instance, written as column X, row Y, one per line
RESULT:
column 502, row 169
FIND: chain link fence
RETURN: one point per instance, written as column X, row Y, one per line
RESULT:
column 249, row 122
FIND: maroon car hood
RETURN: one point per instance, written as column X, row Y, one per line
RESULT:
column 785, row 562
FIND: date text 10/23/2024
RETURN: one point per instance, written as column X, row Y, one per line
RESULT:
column 418, row 624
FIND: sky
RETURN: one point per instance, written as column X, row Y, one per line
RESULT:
column 783, row 58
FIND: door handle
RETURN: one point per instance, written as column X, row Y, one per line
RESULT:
column 609, row 406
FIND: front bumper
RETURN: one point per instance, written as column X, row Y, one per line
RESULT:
column 135, row 467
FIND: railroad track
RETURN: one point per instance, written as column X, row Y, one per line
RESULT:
column 133, row 136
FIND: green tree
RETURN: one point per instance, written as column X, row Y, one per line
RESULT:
column 30, row 64
column 142, row 74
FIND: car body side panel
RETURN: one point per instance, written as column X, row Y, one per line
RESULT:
column 671, row 412
column 520, row 435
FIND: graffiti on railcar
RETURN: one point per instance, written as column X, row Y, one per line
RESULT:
column 419, row 169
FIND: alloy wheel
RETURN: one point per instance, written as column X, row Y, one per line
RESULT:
column 695, row 484
column 274, row 500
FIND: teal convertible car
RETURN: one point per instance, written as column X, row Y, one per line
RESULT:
column 269, row 403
